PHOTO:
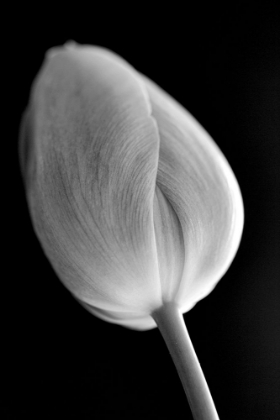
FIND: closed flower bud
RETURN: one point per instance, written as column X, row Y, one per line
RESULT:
column 132, row 201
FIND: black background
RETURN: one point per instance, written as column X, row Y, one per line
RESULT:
column 222, row 64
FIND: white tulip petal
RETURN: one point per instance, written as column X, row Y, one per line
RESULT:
column 133, row 320
column 198, row 182
column 96, row 160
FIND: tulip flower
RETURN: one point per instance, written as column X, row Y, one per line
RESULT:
column 135, row 206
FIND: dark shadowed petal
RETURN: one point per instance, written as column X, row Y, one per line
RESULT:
column 170, row 245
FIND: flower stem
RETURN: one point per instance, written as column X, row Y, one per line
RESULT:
column 173, row 329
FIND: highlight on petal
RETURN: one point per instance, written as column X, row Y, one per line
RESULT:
column 95, row 149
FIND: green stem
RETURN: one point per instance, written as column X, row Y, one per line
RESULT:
column 173, row 329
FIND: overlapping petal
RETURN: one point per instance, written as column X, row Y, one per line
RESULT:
column 200, row 186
